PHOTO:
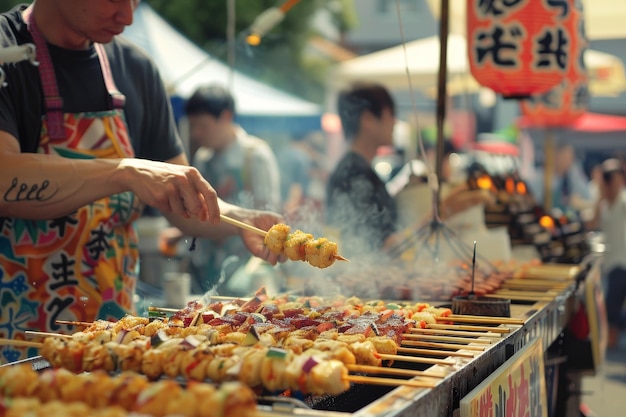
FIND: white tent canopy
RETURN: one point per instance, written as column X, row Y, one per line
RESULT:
column 422, row 56
column 184, row 66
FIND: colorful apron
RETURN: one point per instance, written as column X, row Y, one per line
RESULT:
column 82, row 266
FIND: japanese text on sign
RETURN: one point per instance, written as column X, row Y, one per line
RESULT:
column 516, row 389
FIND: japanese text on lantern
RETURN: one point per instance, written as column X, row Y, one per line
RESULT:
column 519, row 47
column 563, row 104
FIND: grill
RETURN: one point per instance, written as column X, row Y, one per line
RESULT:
column 544, row 319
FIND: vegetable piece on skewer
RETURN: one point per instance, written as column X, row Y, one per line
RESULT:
column 295, row 245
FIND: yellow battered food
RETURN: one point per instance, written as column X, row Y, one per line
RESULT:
column 300, row 246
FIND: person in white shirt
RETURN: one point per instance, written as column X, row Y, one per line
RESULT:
column 242, row 168
column 610, row 216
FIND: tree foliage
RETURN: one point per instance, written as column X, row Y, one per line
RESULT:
column 279, row 60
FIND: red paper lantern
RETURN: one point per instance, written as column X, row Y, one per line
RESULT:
column 562, row 105
column 519, row 47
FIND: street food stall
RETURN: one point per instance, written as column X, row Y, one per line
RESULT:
column 422, row 359
column 402, row 351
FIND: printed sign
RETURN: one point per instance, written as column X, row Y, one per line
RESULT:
column 515, row 389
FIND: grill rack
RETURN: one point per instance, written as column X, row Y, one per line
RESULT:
column 545, row 320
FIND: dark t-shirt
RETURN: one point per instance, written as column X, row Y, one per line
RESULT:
column 359, row 206
column 147, row 110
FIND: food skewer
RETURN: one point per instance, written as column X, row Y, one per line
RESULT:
column 275, row 241
column 47, row 334
column 527, row 292
column 453, row 332
column 436, row 352
column 452, row 346
column 480, row 319
column 20, row 343
column 414, row 352
column 372, row 380
column 300, row 246
column 368, row 369
column 514, row 297
column 466, row 328
column 130, row 392
column 402, row 358
column 359, row 379
column 437, row 338
column 528, row 283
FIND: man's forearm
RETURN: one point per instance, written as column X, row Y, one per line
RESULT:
column 36, row 186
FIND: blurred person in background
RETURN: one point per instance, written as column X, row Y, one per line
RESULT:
column 595, row 183
column 610, row 217
column 242, row 168
column 296, row 165
column 358, row 206
column 569, row 182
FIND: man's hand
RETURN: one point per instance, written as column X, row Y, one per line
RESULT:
column 254, row 242
column 173, row 189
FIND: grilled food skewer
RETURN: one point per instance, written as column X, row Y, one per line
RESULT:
column 371, row 380
column 452, row 346
column 436, row 352
column 501, row 330
column 394, row 371
column 436, row 338
column 481, row 319
column 454, row 333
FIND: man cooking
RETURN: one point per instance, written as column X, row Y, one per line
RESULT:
column 86, row 139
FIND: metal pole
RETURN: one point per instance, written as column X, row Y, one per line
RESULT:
column 548, row 169
column 230, row 35
column 441, row 91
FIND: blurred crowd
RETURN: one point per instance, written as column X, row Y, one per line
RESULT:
column 372, row 196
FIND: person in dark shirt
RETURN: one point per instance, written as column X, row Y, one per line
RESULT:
column 359, row 207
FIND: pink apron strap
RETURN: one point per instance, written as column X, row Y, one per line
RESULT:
column 117, row 98
column 52, row 98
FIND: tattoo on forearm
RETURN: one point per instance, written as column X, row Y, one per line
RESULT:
column 25, row 192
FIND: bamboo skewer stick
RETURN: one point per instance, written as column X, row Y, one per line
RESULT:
column 413, row 359
column 480, row 319
column 453, row 332
column 389, row 381
column 546, row 291
column 443, row 345
column 242, row 225
column 539, row 293
column 47, row 334
column 163, row 309
column 74, row 323
column 446, row 338
column 20, row 343
column 419, row 359
column 393, row 371
column 536, row 282
column 435, row 352
column 470, row 328
column 514, row 297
